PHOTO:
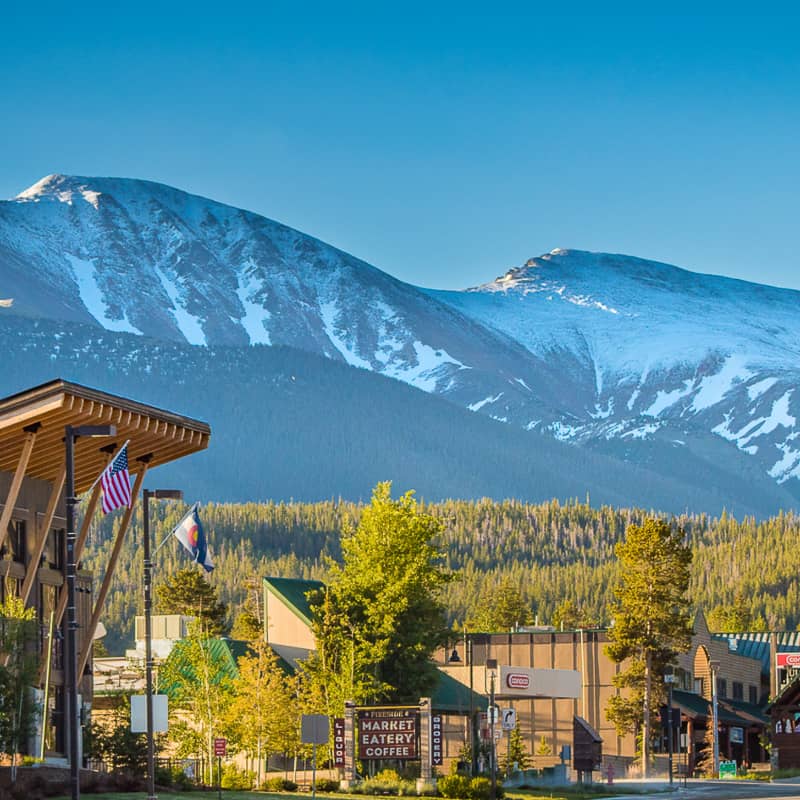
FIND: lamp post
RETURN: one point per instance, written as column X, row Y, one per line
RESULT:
column 456, row 659
column 670, row 681
column 714, row 666
column 491, row 668
column 158, row 494
column 71, row 434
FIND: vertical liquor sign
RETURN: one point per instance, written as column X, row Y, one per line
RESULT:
column 338, row 742
column 436, row 740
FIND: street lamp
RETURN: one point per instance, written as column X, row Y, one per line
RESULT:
column 158, row 494
column 670, row 680
column 71, row 434
column 456, row 659
column 491, row 668
column 714, row 666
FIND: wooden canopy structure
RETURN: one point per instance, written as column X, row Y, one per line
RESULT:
column 34, row 421
column 32, row 433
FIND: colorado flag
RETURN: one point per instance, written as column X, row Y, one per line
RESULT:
column 190, row 534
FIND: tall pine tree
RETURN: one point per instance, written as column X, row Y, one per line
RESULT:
column 652, row 622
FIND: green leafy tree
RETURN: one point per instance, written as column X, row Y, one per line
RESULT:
column 113, row 742
column 381, row 616
column 652, row 622
column 501, row 608
column 263, row 715
column 199, row 680
column 187, row 592
column 18, row 672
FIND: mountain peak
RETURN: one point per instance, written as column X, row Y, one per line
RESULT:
column 62, row 188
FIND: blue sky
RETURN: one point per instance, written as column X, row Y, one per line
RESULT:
column 442, row 142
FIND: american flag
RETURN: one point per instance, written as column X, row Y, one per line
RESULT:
column 116, row 483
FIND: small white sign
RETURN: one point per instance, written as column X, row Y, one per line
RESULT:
column 509, row 719
column 139, row 713
column 493, row 715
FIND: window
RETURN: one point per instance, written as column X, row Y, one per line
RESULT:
column 722, row 687
column 753, row 692
column 738, row 690
column 15, row 543
column 54, row 554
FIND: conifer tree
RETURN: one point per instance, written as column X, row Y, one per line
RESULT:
column 188, row 592
column 516, row 752
column 652, row 622
column 501, row 608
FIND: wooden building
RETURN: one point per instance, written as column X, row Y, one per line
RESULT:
column 33, row 524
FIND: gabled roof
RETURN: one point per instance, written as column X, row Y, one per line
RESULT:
column 294, row 591
column 452, row 696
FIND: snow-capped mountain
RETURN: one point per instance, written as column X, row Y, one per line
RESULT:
column 657, row 351
column 673, row 370
column 139, row 257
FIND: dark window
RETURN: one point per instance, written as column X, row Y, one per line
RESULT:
column 15, row 543
column 738, row 690
column 722, row 687
column 754, row 695
column 55, row 549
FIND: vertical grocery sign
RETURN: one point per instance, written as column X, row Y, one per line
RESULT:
column 437, row 756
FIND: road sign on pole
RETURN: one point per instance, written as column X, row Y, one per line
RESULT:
column 509, row 719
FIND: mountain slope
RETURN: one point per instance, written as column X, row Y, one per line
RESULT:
column 656, row 352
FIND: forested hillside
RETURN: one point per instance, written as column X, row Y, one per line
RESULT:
column 551, row 551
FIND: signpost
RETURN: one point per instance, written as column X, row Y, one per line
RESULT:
column 727, row 769
column 314, row 730
column 220, row 751
column 509, row 719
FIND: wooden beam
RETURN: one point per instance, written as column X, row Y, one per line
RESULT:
column 41, row 539
column 16, row 483
column 110, row 569
column 82, row 536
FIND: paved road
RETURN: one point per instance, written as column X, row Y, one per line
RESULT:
column 721, row 790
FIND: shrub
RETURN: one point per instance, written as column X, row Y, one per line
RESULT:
column 457, row 786
column 235, row 778
column 480, row 789
column 327, row 785
column 278, row 784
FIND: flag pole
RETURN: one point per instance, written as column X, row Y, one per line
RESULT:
column 164, row 540
column 110, row 464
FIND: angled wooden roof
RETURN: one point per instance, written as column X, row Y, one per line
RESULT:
column 162, row 435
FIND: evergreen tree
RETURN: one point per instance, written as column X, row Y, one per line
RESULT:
column 381, row 616
column 735, row 618
column 652, row 622
column 501, row 609
column 516, row 752
column 188, row 592
column 568, row 617
column 544, row 748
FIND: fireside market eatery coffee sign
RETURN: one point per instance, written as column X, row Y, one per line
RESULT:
column 388, row 733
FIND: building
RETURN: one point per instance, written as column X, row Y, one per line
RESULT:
column 33, row 517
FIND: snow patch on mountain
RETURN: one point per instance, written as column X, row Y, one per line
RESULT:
column 190, row 326
column 713, row 388
column 91, row 294
column 486, row 400
column 255, row 315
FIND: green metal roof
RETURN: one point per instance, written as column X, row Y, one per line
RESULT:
column 756, row 645
column 732, row 712
column 693, row 705
column 452, row 696
column 294, row 591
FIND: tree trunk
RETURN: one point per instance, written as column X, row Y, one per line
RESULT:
column 646, row 723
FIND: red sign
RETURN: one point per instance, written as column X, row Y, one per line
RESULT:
column 518, row 680
column 387, row 733
column 789, row 660
column 220, row 747
column 338, row 741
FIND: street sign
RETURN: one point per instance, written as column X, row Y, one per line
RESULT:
column 509, row 719
column 314, row 729
column 727, row 769
column 220, row 748
column 737, row 735
column 788, row 660
column 139, row 713
column 493, row 714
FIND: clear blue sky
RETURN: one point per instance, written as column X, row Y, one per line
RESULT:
column 441, row 142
